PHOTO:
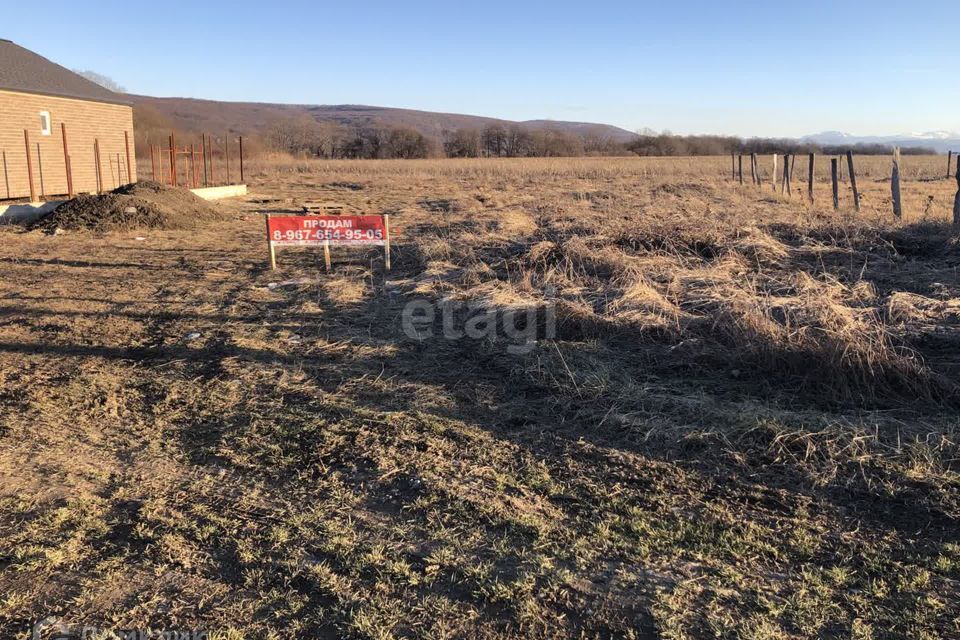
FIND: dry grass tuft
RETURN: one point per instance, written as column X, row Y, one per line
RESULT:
column 837, row 352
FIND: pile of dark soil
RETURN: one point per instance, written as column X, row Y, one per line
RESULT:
column 144, row 205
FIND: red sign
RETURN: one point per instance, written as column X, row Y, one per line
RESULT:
column 309, row 230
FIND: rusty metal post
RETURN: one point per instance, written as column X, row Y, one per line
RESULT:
column 153, row 163
column 203, row 152
column 213, row 167
column 40, row 167
column 66, row 160
column 226, row 153
column 241, row 159
column 173, row 160
column 126, row 141
column 26, row 141
column 6, row 178
column 193, row 166
column 96, row 157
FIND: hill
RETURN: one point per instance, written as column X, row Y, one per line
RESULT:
column 190, row 114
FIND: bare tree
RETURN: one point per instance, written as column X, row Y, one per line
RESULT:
column 463, row 143
column 300, row 136
column 405, row 142
column 102, row 80
column 151, row 127
column 330, row 139
column 554, row 143
column 518, row 142
column 495, row 140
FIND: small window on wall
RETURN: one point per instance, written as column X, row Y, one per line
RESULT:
column 44, row 123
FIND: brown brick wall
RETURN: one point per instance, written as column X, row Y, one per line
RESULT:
column 86, row 122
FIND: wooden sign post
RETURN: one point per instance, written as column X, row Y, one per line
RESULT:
column 327, row 231
column 271, row 252
column 386, row 241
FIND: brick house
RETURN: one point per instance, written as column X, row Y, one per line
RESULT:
column 44, row 99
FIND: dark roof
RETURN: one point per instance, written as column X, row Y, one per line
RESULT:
column 24, row 71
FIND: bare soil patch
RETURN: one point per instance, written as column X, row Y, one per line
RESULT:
column 144, row 205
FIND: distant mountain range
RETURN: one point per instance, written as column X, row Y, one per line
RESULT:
column 941, row 141
column 189, row 114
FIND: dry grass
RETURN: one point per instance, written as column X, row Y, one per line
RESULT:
column 746, row 426
column 869, row 167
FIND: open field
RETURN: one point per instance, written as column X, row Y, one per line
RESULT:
column 745, row 426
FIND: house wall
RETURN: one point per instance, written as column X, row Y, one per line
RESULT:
column 85, row 122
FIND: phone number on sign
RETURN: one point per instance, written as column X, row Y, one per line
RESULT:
column 363, row 236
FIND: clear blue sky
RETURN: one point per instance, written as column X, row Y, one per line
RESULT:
column 764, row 68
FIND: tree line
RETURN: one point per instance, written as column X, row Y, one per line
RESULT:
column 666, row 144
column 323, row 139
column 306, row 137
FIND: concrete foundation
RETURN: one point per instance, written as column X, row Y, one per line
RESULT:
column 216, row 193
column 25, row 213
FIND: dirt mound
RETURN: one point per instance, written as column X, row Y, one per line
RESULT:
column 144, row 205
